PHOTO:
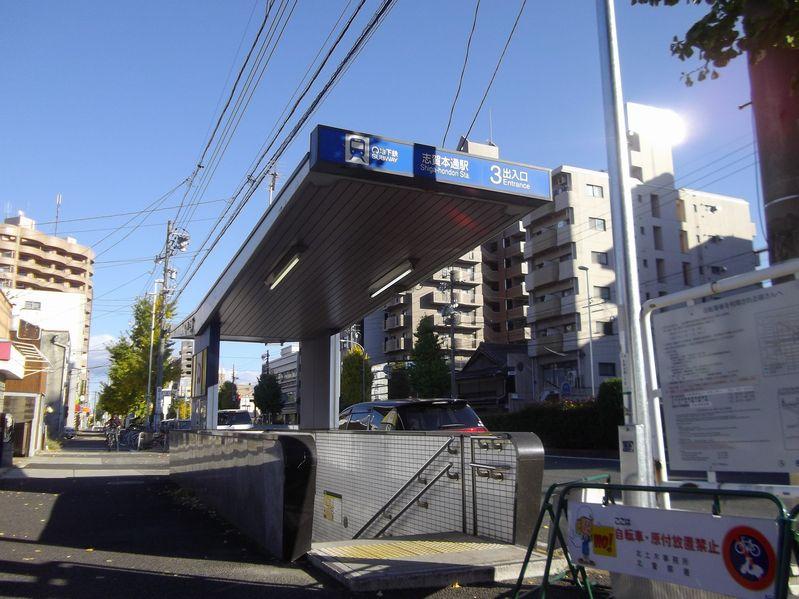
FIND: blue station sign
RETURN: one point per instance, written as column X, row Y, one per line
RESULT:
column 371, row 152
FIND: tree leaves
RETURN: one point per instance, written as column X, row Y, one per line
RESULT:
column 429, row 373
column 267, row 395
column 356, row 377
column 126, row 390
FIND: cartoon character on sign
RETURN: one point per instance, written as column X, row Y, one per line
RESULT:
column 749, row 558
column 584, row 527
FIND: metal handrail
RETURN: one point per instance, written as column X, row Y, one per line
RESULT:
column 416, row 498
column 404, row 487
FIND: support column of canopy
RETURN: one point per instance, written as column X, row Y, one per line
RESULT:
column 205, row 371
column 319, row 382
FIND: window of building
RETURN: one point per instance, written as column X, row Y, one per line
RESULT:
column 657, row 234
column 603, row 292
column 507, row 262
column 599, row 258
column 508, row 304
column 506, row 242
column 508, row 283
column 607, row 369
column 717, row 270
column 680, row 206
column 33, row 305
column 565, row 257
column 686, row 273
column 597, row 224
column 654, row 202
column 661, row 294
column 660, row 266
column 640, row 198
column 684, row 242
column 509, row 325
column 636, row 172
column 646, row 263
column 643, row 231
column 594, row 191
column 603, row 328
column 701, row 270
column 648, row 295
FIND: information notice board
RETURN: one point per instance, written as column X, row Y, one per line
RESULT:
column 731, row 555
column 729, row 376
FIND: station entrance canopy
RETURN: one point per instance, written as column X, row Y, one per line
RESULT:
column 361, row 218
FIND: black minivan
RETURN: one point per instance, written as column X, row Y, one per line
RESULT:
column 412, row 415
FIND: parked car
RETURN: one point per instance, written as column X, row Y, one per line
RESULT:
column 233, row 420
column 412, row 415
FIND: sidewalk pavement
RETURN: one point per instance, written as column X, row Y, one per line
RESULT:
column 92, row 523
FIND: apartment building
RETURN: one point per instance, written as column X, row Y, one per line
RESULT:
column 186, row 365
column 37, row 271
column 430, row 298
column 506, row 302
column 684, row 238
column 285, row 367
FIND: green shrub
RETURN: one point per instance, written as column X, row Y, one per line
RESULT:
column 569, row 425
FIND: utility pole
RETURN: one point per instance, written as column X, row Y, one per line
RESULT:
column 176, row 241
column 273, row 175
column 590, row 330
column 449, row 312
column 628, row 300
column 57, row 214
column 152, row 340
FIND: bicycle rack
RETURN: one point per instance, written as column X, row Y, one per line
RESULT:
column 788, row 538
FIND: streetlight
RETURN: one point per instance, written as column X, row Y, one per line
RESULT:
column 590, row 330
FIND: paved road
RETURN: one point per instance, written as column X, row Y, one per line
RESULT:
column 89, row 523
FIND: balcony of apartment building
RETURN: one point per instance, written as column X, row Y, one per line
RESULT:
column 464, row 320
column 547, row 308
column 517, row 291
column 519, row 334
column 546, row 342
column 461, row 343
column 56, row 271
column 516, row 248
column 565, row 234
column 398, row 300
column 43, row 256
column 544, row 274
column 395, row 344
column 490, row 274
column 520, row 269
column 491, row 293
column 395, row 322
column 490, row 252
column 540, row 241
column 472, row 257
column 441, row 298
column 30, row 281
column 518, row 312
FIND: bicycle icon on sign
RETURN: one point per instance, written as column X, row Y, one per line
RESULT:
column 747, row 547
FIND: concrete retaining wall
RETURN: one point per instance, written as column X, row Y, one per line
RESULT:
column 262, row 483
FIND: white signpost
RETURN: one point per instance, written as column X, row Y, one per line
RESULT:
column 724, row 554
column 729, row 378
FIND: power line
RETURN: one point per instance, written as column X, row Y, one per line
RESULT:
column 463, row 71
column 118, row 214
column 496, row 68
column 254, row 182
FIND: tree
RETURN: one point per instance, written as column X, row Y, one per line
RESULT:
column 428, row 373
column 399, row 383
column 268, row 396
column 733, row 27
column 228, row 396
column 356, row 377
column 768, row 31
column 126, row 389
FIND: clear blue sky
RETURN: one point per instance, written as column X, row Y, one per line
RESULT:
column 109, row 104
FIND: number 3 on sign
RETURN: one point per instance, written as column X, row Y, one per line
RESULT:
column 496, row 174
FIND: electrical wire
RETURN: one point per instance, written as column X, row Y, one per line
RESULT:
column 463, row 71
column 255, row 181
column 496, row 68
